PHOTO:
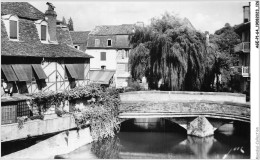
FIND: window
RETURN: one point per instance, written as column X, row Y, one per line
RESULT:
column 42, row 28
column 43, row 32
column 13, row 30
column 11, row 23
column 103, row 56
column 103, row 67
column 97, row 42
column 109, row 42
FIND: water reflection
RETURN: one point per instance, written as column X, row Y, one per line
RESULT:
column 135, row 142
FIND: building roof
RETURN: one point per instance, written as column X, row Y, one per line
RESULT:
column 29, row 43
column 63, row 35
column 119, row 34
column 79, row 36
column 124, row 29
column 21, row 9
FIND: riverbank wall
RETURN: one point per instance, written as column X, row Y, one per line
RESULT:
column 61, row 143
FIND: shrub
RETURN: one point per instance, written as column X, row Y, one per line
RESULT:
column 101, row 110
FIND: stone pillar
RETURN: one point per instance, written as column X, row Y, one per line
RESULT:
column 200, row 127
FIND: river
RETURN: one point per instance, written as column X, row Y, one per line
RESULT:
column 162, row 139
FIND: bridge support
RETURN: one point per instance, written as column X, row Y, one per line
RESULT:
column 200, row 127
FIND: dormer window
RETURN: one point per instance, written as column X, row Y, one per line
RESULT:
column 42, row 28
column 13, row 29
column 109, row 42
column 43, row 32
column 12, row 26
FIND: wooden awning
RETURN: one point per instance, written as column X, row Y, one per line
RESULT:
column 20, row 72
column 101, row 76
column 9, row 72
column 71, row 70
column 39, row 71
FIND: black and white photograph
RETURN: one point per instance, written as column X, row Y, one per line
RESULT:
column 130, row 79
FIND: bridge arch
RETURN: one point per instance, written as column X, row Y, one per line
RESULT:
column 184, row 107
column 143, row 123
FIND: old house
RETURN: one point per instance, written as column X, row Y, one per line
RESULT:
column 109, row 45
column 80, row 39
column 243, row 50
column 37, row 54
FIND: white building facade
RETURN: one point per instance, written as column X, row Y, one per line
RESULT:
column 109, row 45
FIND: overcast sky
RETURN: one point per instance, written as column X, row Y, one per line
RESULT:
column 205, row 16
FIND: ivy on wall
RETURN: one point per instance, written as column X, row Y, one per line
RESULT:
column 100, row 109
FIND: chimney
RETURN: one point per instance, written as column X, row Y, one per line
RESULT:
column 246, row 13
column 50, row 16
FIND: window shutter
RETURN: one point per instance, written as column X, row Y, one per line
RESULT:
column 103, row 56
column 126, row 67
column 43, row 32
column 9, row 72
column 28, row 69
column 20, row 72
column 13, row 29
column 79, row 68
column 71, row 71
column 39, row 71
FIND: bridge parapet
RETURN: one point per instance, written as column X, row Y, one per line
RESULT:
column 173, row 96
column 225, row 110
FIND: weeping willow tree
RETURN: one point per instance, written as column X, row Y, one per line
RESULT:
column 171, row 52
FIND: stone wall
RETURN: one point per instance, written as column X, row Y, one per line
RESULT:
column 173, row 96
column 61, row 143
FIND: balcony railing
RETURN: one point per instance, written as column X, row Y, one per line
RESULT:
column 244, row 71
column 242, row 47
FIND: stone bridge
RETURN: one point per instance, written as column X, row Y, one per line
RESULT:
column 200, row 113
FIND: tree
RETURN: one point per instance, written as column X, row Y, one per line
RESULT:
column 64, row 21
column 70, row 24
column 170, row 51
column 225, row 39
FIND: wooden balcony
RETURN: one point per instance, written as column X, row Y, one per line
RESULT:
column 242, row 47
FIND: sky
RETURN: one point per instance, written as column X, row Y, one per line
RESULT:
column 204, row 16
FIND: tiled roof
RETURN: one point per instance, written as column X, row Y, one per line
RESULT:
column 63, row 35
column 113, row 29
column 29, row 43
column 21, row 9
column 118, row 41
column 12, row 48
column 79, row 36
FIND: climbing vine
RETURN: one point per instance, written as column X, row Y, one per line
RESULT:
column 100, row 107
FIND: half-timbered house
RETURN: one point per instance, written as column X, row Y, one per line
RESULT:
column 36, row 53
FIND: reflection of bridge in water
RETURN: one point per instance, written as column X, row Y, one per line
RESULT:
column 195, row 111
